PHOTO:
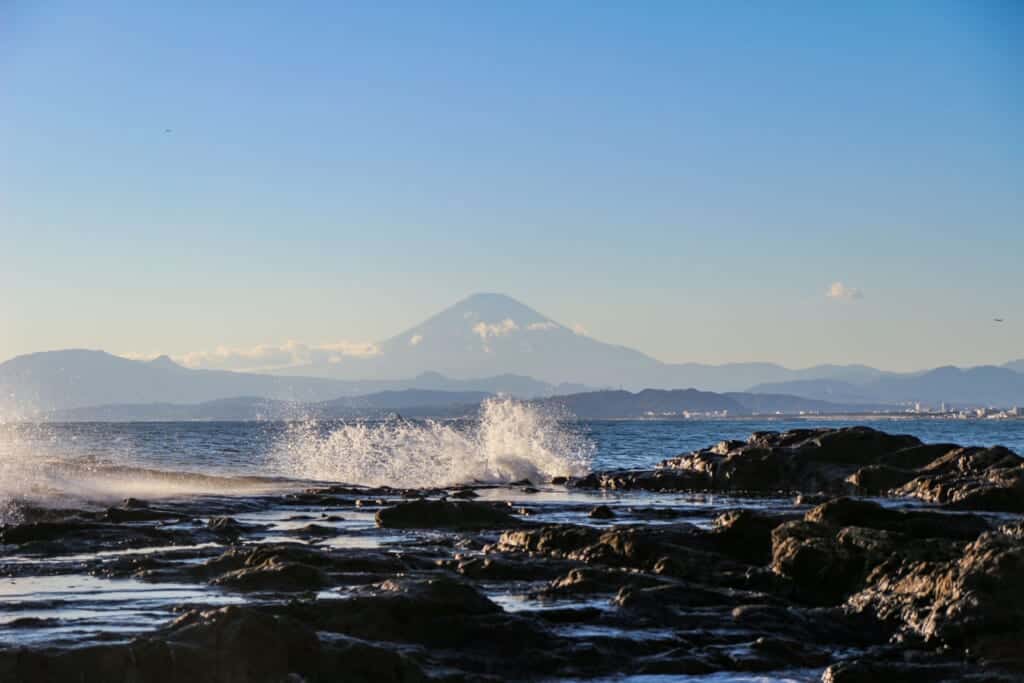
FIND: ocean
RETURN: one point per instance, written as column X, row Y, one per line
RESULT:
column 104, row 462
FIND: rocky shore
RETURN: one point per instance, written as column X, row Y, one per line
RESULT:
column 850, row 555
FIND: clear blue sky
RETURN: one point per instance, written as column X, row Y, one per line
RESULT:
column 686, row 178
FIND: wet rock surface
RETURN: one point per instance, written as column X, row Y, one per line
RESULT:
column 847, row 461
column 444, row 514
column 483, row 583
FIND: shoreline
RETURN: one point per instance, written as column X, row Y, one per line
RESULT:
column 767, row 556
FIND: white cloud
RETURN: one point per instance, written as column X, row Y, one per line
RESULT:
column 579, row 329
column 540, row 327
column 276, row 356
column 840, row 291
column 134, row 355
column 415, row 340
column 486, row 330
column 344, row 349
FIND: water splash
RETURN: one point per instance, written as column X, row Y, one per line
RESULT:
column 44, row 468
column 509, row 441
column 22, row 470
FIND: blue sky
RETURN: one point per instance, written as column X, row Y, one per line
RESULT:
column 688, row 179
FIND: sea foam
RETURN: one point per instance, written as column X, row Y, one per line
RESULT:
column 509, row 441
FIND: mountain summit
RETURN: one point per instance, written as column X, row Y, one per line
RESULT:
column 493, row 334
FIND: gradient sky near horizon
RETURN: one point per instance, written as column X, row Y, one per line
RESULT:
column 796, row 182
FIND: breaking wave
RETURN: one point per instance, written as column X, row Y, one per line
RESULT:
column 42, row 468
column 63, row 467
column 509, row 441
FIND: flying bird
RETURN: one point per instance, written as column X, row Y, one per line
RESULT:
column 168, row 130
column 998, row 320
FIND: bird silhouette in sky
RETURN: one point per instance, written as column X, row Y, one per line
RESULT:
column 998, row 320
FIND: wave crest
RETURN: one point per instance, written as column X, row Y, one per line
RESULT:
column 510, row 440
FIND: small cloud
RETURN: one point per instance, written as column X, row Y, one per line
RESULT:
column 540, row 327
column 415, row 340
column 344, row 349
column 840, row 291
column 487, row 330
column 579, row 329
column 133, row 355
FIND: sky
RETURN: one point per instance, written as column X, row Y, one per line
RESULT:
column 796, row 182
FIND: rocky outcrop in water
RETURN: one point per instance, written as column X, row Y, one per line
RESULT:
column 847, row 461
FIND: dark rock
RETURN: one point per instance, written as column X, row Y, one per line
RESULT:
column 315, row 531
column 589, row 580
column 837, row 462
column 645, row 480
column 798, row 460
column 831, row 552
column 918, row 524
column 136, row 513
column 256, row 555
column 507, row 568
column 228, row 645
column 351, row 659
column 76, row 535
column 857, row 445
column 274, row 575
column 972, row 479
column 557, row 540
column 974, row 601
column 916, row 457
column 664, row 600
column 816, row 625
column 443, row 514
column 896, row 671
column 602, row 512
column 678, row 550
column 769, row 653
column 248, row 644
column 405, row 610
column 879, row 479
column 227, row 527
column 746, row 535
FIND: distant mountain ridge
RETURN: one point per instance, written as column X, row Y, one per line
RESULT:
column 979, row 386
column 416, row 403
column 489, row 343
column 408, row 402
column 77, row 378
